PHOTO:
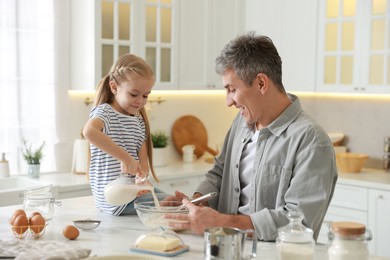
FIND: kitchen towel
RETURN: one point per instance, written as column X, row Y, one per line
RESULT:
column 42, row 250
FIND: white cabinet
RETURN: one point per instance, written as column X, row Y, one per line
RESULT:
column 365, row 205
column 379, row 213
column 102, row 30
column 182, row 183
column 353, row 46
column 205, row 27
column 349, row 203
column 83, row 60
column 292, row 27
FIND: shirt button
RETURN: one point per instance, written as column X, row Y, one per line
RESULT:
column 237, row 189
column 236, row 165
column 243, row 140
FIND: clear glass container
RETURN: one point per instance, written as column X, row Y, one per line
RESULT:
column 348, row 241
column 295, row 241
column 42, row 203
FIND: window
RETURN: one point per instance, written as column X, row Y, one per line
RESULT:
column 33, row 80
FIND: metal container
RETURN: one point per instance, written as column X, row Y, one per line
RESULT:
column 227, row 243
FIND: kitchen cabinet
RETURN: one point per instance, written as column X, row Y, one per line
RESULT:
column 179, row 39
column 182, row 183
column 349, row 203
column 353, row 46
column 83, row 59
column 205, row 27
column 102, row 30
column 363, row 203
column 292, row 28
column 379, row 211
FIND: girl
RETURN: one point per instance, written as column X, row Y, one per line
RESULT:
column 118, row 129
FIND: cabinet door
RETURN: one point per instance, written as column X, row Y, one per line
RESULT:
column 186, row 185
column 205, row 27
column 82, row 45
column 293, row 30
column 194, row 18
column 353, row 50
column 379, row 224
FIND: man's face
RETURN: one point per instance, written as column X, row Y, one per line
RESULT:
column 246, row 98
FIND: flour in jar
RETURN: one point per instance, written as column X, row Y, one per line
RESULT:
column 294, row 252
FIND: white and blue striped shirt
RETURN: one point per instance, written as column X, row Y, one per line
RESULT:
column 126, row 131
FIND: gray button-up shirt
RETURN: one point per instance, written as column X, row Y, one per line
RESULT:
column 294, row 169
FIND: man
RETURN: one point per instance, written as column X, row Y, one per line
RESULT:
column 274, row 159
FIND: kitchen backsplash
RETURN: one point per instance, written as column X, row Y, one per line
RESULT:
column 364, row 120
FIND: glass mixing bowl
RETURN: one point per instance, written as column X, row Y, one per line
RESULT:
column 153, row 216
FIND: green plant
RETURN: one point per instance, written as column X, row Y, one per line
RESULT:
column 30, row 155
column 160, row 139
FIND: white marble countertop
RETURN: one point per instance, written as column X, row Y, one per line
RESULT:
column 116, row 234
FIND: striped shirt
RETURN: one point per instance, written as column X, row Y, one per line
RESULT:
column 126, row 131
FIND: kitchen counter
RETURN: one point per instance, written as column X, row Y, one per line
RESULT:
column 115, row 235
column 369, row 178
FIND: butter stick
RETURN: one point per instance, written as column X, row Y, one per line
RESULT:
column 158, row 243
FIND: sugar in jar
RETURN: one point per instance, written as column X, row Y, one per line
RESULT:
column 348, row 241
column 295, row 241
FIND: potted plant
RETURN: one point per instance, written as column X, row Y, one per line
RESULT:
column 160, row 140
column 33, row 158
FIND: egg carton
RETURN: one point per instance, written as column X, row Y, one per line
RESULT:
column 35, row 231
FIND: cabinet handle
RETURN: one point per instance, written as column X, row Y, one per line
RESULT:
column 380, row 197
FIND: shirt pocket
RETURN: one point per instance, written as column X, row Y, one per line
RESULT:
column 274, row 183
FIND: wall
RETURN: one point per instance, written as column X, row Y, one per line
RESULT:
column 364, row 120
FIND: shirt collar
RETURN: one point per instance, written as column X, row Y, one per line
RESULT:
column 288, row 116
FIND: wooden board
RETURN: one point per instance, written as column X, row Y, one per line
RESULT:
column 190, row 130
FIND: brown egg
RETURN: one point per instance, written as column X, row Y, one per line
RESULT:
column 71, row 232
column 20, row 224
column 17, row 213
column 35, row 213
column 37, row 223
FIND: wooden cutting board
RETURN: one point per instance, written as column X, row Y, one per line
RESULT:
column 190, row 130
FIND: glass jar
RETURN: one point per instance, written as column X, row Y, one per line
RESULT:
column 42, row 202
column 295, row 241
column 348, row 241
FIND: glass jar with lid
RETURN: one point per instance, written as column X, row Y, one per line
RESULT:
column 40, row 200
column 295, row 241
column 348, row 241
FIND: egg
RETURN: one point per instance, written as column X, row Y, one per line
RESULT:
column 71, row 232
column 37, row 223
column 17, row 213
column 20, row 224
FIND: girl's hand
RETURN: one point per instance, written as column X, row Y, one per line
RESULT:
column 131, row 167
column 142, row 192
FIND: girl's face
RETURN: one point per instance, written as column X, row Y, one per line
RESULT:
column 132, row 94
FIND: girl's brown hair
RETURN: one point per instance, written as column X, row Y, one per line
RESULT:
column 120, row 71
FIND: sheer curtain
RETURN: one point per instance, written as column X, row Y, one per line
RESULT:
column 34, row 79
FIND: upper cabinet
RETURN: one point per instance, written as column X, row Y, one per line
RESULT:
column 353, row 46
column 102, row 30
column 145, row 28
column 179, row 39
column 205, row 27
column 292, row 27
